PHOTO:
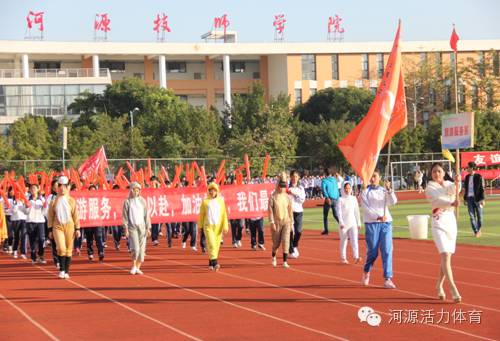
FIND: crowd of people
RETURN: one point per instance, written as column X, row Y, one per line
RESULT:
column 52, row 220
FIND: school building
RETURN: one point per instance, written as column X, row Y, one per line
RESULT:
column 44, row 77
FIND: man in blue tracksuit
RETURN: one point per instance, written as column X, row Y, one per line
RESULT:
column 330, row 190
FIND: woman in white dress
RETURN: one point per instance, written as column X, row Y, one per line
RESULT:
column 442, row 195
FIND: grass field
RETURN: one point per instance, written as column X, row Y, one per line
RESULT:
column 313, row 220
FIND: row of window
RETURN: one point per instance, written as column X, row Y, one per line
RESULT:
column 309, row 64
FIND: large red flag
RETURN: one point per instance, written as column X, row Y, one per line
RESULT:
column 94, row 163
column 386, row 116
column 454, row 39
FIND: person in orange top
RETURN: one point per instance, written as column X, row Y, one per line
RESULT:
column 3, row 225
column 64, row 224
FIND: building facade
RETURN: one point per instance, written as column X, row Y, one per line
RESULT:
column 43, row 77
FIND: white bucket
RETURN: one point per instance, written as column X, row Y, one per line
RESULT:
column 418, row 226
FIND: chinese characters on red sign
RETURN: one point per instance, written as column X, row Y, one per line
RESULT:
column 160, row 26
column 279, row 27
column 104, row 208
column 481, row 159
column 34, row 18
column 456, row 131
column 335, row 31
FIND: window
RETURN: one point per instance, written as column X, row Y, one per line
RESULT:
column 380, row 65
column 437, row 60
column 183, row 98
column 423, row 57
column 496, row 63
column 113, row 66
column 475, row 96
column 432, row 96
column 461, row 94
column 47, row 65
column 364, row 66
column 308, row 67
column 481, row 64
column 447, row 94
column 490, row 96
column 335, row 66
column 298, row 96
column 313, row 91
column 138, row 75
column 238, row 67
column 176, row 67
column 452, row 61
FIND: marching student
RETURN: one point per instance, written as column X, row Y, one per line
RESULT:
column 35, row 223
column 137, row 226
column 298, row 195
column 18, row 220
column 64, row 224
column 96, row 233
column 236, row 231
column 257, row 233
column 443, row 197
column 214, row 221
column 50, row 198
column 378, row 225
column 7, row 209
column 349, row 223
column 281, row 220
column 3, row 225
column 330, row 190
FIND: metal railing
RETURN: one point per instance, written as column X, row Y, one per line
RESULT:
column 53, row 73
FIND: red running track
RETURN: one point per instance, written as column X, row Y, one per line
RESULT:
column 318, row 298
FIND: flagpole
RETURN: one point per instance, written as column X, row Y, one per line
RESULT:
column 457, row 158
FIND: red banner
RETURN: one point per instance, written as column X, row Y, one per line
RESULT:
column 104, row 208
column 482, row 159
column 487, row 174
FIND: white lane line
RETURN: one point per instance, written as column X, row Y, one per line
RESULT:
column 29, row 318
column 435, row 264
column 398, row 272
column 215, row 298
column 318, row 296
column 172, row 328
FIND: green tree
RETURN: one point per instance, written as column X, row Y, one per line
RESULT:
column 409, row 140
column 29, row 136
column 349, row 104
column 258, row 129
column 320, row 142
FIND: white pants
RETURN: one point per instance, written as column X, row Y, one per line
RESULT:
column 345, row 234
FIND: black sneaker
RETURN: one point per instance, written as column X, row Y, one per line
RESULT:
column 101, row 258
column 324, row 232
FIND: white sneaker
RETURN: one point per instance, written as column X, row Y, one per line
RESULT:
column 9, row 250
column 23, row 256
column 61, row 274
column 133, row 271
column 388, row 284
column 193, row 248
column 293, row 255
column 285, row 265
column 262, row 247
column 66, row 276
column 239, row 243
column 274, row 262
column 139, row 272
column 296, row 252
column 183, row 245
column 15, row 254
column 366, row 279
column 235, row 245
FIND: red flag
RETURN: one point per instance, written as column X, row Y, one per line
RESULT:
column 386, row 116
column 454, row 39
column 94, row 163
column 264, row 167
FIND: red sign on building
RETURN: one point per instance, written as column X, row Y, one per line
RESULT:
column 32, row 19
column 335, row 31
column 279, row 27
column 221, row 22
column 160, row 26
column 101, row 24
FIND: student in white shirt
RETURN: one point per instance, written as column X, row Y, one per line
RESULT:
column 35, row 224
column 378, row 225
column 298, row 195
column 349, row 223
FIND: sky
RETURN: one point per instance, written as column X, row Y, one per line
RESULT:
column 363, row 20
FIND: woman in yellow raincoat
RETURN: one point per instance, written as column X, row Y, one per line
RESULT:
column 213, row 221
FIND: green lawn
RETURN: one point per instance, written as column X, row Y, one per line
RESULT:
column 313, row 220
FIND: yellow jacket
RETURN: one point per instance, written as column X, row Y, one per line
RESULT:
column 203, row 219
column 3, row 224
column 53, row 222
